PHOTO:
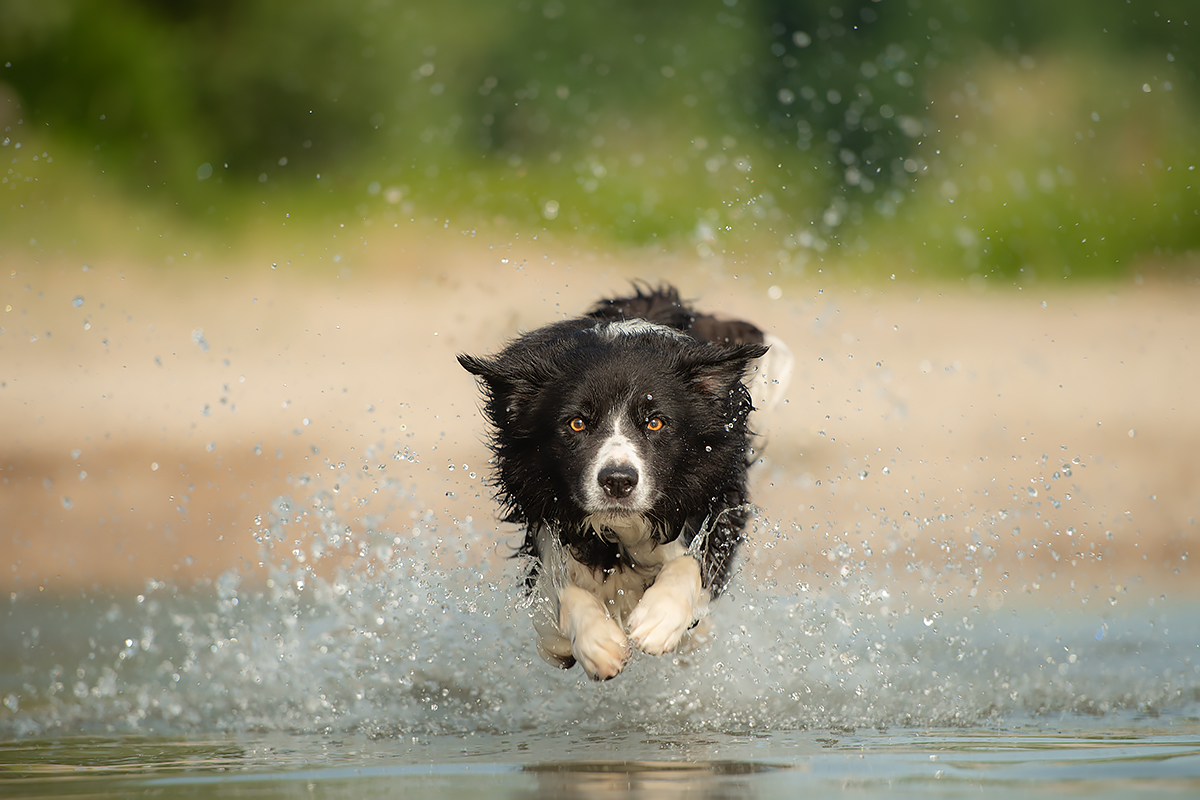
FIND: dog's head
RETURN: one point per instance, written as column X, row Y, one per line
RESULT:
column 614, row 420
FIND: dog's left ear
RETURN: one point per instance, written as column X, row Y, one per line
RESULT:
column 716, row 370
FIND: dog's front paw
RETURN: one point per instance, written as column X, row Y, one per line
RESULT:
column 669, row 607
column 597, row 643
column 601, row 649
column 660, row 621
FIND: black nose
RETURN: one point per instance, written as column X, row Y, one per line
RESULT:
column 618, row 480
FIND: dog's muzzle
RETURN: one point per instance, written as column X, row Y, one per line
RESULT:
column 618, row 480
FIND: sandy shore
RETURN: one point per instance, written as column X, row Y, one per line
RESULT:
column 990, row 440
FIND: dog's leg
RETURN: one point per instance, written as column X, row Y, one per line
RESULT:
column 597, row 642
column 669, row 607
column 552, row 645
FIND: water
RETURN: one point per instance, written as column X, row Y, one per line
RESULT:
column 389, row 643
column 268, row 698
column 358, row 663
column 1131, row 758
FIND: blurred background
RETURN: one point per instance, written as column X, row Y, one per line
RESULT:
column 243, row 240
column 940, row 139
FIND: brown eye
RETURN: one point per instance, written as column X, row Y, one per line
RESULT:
column 654, row 424
column 577, row 424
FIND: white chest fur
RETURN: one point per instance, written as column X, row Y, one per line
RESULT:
column 619, row 588
column 649, row 599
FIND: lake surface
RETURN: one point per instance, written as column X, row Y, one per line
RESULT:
column 1122, row 757
column 421, row 678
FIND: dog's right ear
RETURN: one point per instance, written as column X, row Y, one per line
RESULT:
column 484, row 368
column 507, row 389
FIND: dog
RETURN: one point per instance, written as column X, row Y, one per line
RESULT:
column 621, row 446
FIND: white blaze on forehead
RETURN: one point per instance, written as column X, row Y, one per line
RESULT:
column 634, row 327
column 615, row 451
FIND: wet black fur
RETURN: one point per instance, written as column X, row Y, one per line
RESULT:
column 543, row 379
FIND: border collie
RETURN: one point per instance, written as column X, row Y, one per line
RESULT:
column 621, row 446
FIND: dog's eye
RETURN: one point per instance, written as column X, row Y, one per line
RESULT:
column 654, row 424
column 577, row 424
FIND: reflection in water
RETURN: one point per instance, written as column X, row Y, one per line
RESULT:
column 648, row 779
column 1085, row 757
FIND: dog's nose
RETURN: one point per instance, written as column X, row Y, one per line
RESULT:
column 618, row 480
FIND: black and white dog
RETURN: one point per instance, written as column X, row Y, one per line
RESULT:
column 621, row 445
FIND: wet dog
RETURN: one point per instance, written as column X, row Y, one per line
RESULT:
column 621, row 446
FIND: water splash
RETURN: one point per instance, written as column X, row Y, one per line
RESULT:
column 391, row 625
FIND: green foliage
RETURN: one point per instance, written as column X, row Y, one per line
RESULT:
column 1050, row 172
column 1002, row 139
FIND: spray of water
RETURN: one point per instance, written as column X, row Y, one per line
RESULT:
column 398, row 624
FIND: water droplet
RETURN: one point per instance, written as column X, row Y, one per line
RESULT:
column 66, row 503
column 77, row 302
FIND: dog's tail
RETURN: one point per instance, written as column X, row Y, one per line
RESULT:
column 661, row 305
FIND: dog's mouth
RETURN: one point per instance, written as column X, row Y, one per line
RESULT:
column 607, row 534
column 626, row 528
column 608, row 515
column 619, row 509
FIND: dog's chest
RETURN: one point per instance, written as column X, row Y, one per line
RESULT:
column 622, row 586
